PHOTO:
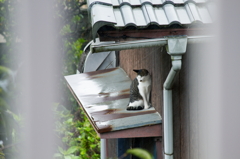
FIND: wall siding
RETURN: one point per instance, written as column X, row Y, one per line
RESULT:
column 150, row 59
column 185, row 92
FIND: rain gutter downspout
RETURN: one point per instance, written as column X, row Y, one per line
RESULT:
column 176, row 48
column 103, row 149
column 176, row 56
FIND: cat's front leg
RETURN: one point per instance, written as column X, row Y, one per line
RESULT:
column 148, row 97
column 147, row 104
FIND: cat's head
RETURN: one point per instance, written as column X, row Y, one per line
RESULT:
column 142, row 74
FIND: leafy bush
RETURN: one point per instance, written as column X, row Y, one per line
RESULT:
column 10, row 121
column 79, row 140
column 139, row 152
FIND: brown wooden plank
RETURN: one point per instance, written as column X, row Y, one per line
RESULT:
column 184, row 108
column 185, row 93
column 158, row 62
column 176, row 118
column 193, row 102
column 146, row 131
column 150, row 59
column 111, row 148
column 124, row 35
column 159, row 147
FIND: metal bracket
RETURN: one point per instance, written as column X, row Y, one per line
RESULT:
column 176, row 45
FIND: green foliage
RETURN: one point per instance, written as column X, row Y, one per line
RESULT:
column 71, row 32
column 8, row 17
column 79, row 140
column 6, row 22
column 10, row 122
column 141, row 153
column 2, row 155
column 74, row 51
column 6, row 79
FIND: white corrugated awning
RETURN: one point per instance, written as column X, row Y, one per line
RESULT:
column 104, row 96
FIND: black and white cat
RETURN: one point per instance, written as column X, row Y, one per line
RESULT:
column 140, row 91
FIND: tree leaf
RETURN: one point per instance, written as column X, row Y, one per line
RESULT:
column 6, row 78
column 67, row 157
column 3, row 104
column 61, row 150
column 57, row 155
column 141, row 153
column 72, row 150
column 71, row 157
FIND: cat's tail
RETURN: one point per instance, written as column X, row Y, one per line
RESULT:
column 135, row 107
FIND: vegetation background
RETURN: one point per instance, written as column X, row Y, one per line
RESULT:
column 77, row 139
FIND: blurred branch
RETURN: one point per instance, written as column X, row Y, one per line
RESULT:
column 9, row 146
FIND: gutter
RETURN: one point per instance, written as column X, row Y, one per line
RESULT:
column 96, row 47
column 176, row 47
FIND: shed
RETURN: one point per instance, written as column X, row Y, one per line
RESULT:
column 142, row 30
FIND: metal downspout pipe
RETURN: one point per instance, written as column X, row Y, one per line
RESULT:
column 176, row 48
column 103, row 149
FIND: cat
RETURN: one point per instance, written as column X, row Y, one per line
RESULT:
column 140, row 91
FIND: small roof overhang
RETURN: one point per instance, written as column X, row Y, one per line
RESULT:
column 104, row 96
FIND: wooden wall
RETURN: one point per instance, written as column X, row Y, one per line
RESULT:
column 156, row 61
column 185, row 93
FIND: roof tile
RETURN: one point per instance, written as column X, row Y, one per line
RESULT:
column 142, row 13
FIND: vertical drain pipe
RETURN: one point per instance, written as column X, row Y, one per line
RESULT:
column 176, row 47
column 103, row 149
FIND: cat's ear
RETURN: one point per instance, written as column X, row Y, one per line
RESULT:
column 136, row 71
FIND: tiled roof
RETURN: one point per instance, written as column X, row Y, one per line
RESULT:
column 143, row 13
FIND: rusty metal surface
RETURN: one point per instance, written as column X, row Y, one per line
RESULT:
column 104, row 96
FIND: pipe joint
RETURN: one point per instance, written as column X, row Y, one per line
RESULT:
column 168, row 156
column 176, row 65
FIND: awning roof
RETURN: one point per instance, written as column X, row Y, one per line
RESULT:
column 104, row 96
column 144, row 13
